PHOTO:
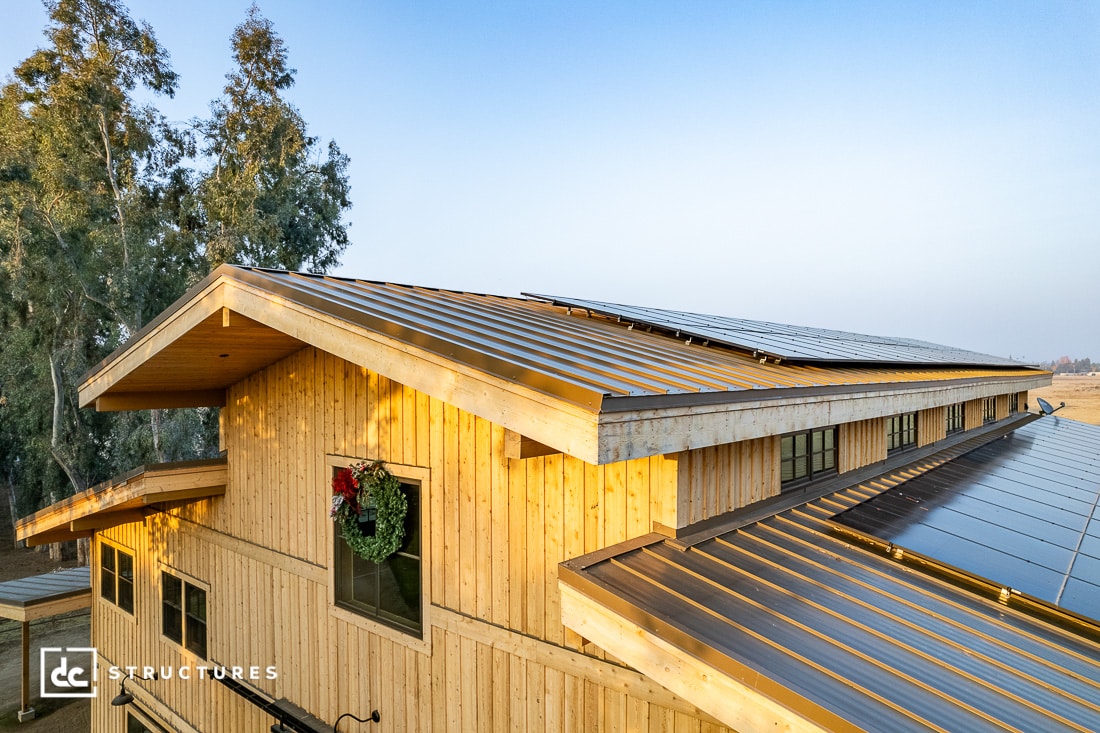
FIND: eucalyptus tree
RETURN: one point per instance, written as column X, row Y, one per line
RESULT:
column 270, row 196
column 86, row 243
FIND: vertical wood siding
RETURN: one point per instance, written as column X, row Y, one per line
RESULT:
column 725, row 477
column 931, row 425
column 495, row 657
column 861, row 443
column 973, row 416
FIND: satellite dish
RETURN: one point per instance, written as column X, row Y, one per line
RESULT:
column 1046, row 409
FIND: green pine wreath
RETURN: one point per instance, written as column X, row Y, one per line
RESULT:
column 363, row 486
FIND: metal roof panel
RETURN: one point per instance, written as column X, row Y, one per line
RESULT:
column 852, row 631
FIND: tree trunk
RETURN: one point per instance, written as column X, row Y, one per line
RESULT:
column 154, row 424
column 58, row 420
column 10, row 499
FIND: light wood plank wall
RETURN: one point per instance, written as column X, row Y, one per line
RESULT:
column 861, row 443
column 500, row 658
column 931, row 425
column 973, row 416
column 725, row 477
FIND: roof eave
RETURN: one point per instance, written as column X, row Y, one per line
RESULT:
column 635, row 427
column 124, row 499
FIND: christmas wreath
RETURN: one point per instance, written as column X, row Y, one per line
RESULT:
column 365, row 491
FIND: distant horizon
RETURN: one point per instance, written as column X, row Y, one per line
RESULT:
column 926, row 172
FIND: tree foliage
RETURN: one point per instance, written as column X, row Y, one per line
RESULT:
column 108, row 213
column 1066, row 365
column 269, row 199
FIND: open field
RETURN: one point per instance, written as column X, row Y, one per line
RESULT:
column 1080, row 393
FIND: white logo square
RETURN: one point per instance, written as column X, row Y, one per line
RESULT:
column 68, row 671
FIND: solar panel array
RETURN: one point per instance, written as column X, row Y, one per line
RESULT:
column 1021, row 512
column 787, row 342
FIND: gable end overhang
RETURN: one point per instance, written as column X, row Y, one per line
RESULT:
column 232, row 325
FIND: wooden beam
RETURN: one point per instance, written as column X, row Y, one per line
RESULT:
column 517, row 445
column 199, row 492
column 58, row 534
column 25, row 710
column 59, row 606
column 106, row 520
column 741, row 706
column 160, row 400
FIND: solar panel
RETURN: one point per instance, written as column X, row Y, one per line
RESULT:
column 1021, row 512
column 786, row 342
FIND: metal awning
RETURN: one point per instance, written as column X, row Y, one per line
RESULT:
column 42, row 596
column 781, row 620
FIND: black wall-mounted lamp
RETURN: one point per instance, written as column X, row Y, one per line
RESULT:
column 374, row 718
column 125, row 698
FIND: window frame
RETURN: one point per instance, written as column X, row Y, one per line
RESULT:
column 989, row 410
column 810, row 476
column 116, row 577
column 955, row 423
column 187, row 582
column 143, row 717
column 419, row 641
column 902, row 437
column 1013, row 403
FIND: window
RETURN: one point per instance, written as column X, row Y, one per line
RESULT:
column 139, row 723
column 1013, row 403
column 807, row 456
column 989, row 409
column 183, row 613
column 901, row 432
column 956, row 417
column 116, row 576
column 388, row 592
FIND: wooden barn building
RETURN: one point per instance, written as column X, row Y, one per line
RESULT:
column 618, row 519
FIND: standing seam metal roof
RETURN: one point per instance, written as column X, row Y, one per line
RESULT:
column 590, row 352
column 851, row 631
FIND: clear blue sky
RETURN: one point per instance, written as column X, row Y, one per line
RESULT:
column 929, row 170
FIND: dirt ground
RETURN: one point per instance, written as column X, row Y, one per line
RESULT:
column 1080, row 393
column 56, row 715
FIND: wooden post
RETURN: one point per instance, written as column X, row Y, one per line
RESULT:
column 26, row 712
